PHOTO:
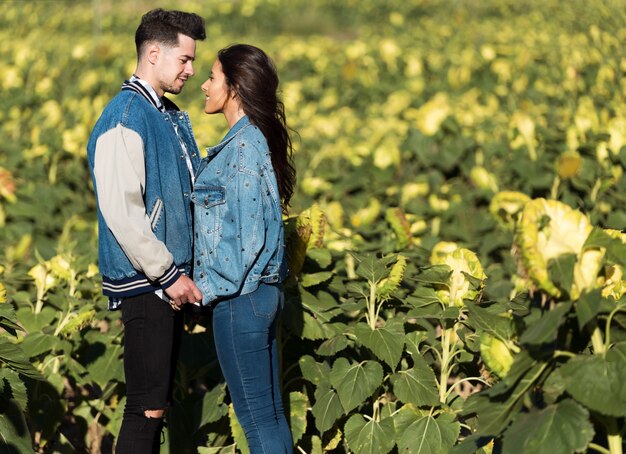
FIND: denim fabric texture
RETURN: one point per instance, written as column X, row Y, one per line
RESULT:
column 239, row 236
column 167, row 187
column 244, row 328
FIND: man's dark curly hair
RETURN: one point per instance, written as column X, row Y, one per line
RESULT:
column 163, row 26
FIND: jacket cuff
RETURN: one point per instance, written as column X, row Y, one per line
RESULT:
column 169, row 277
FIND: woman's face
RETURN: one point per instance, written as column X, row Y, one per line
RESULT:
column 218, row 96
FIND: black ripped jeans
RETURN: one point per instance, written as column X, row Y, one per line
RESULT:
column 151, row 342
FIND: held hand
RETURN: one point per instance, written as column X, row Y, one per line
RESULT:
column 183, row 291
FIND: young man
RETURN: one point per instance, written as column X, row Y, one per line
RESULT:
column 142, row 156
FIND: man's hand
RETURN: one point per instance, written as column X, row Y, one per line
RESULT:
column 183, row 291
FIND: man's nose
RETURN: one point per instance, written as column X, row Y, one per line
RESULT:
column 189, row 68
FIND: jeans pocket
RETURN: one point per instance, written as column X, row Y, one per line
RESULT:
column 264, row 301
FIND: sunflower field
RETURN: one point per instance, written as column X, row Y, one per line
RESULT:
column 456, row 240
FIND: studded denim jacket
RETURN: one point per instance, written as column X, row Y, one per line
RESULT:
column 239, row 238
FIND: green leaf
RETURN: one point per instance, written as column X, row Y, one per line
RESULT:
column 12, row 387
column 8, row 319
column 355, row 382
column 321, row 256
column 615, row 249
column 563, row 428
column 597, row 382
column 386, row 342
column 332, row 346
column 417, row 385
column 496, row 407
column 14, row 433
column 107, row 367
column 212, row 407
column 310, row 280
column 327, row 407
column 36, row 322
column 36, row 344
column 423, row 296
column 13, row 356
column 482, row 319
column 437, row 274
column 413, row 340
column 237, row 431
column 369, row 437
column 298, row 408
column 561, row 270
column 546, row 328
column 313, row 371
column 588, row 306
column 373, row 268
column 450, row 313
column 428, row 435
column 553, row 387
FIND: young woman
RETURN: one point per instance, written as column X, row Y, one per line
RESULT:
column 240, row 192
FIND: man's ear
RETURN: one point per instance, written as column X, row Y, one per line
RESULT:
column 152, row 52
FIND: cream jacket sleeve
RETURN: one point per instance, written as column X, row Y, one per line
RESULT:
column 120, row 184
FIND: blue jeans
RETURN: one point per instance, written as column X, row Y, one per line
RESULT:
column 244, row 328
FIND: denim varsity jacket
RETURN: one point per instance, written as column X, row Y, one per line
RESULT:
column 239, row 237
column 143, row 187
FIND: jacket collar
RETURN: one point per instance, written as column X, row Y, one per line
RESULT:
column 242, row 123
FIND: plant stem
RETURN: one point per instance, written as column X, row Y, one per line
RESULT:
column 607, row 329
column 445, row 370
column 599, row 348
column 614, row 436
column 615, row 443
column 598, row 448
column 371, row 306
column 554, row 192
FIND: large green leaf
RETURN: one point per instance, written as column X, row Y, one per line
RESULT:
column 437, row 274
column 562, row 428
column 37, row 343
column 313, row 371
column 13, row 356
column 355, row 382
column 546, row 328
column 36, row 322
column 597, row 382
column 482, row 319
column 417, row 385
column 428, row 435
column 237, row 431
column 423, row 296
column 498, row 406
column 327, row 408
column 107, row 367
column 588, row 306
column 615, row 249
column 14, row 433
column 310, row 280
column 212, row 407
column 332, row 346
column 369, row 436
column 12, row 387
column 386, row 342
column 8, row 319
column 298, row 409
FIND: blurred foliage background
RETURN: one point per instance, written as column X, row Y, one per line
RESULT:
column 411, row 118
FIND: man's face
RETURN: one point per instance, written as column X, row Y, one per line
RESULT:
column 175, row 65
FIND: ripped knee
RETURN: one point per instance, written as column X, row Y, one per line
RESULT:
column 154, row 414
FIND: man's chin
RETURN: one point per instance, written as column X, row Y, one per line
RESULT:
column 174, row 90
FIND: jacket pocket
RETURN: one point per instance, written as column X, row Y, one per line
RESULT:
column 208, row 196
column 155, row 214
column 208, row 201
